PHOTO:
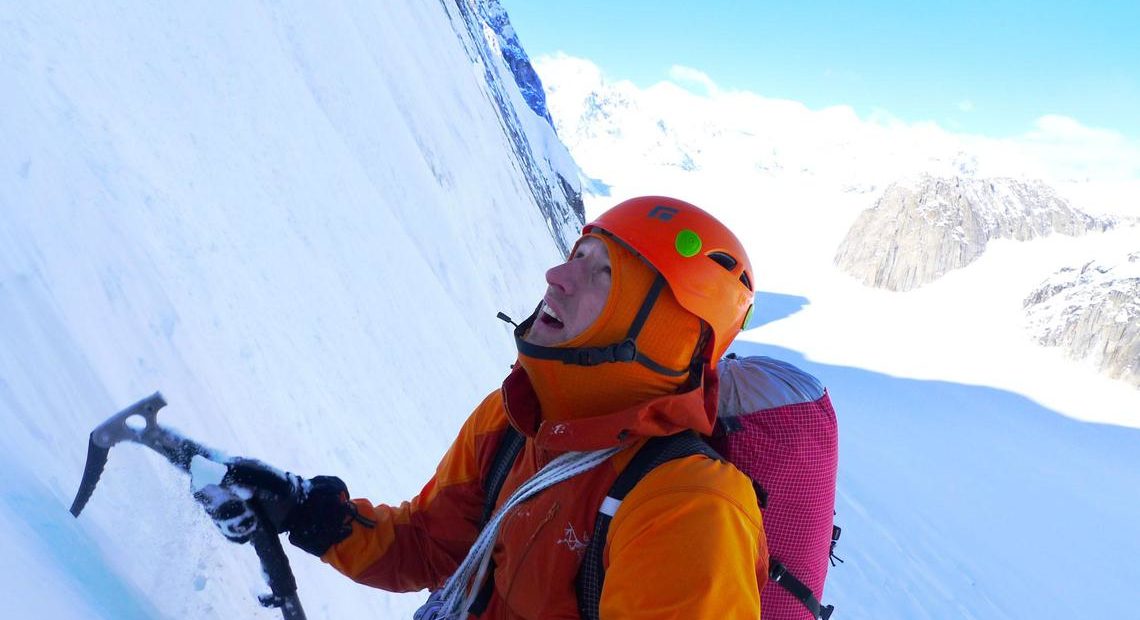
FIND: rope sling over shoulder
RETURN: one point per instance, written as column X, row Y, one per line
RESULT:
column 469, row 581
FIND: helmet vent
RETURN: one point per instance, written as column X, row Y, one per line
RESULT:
column 744, row 279
column 724, row 260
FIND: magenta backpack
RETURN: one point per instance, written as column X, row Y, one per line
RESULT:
column 775, row 422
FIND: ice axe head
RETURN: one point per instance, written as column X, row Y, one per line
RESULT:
column 128, row 425
column 139, row 424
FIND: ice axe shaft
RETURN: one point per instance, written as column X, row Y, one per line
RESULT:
column 139, row 424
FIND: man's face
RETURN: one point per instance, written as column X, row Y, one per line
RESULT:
column 575, row 296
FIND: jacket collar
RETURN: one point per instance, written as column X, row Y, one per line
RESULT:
column 663, row 415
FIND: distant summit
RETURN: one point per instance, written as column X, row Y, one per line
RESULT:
column 1092, row 312
column 615, row 125
column 923, row 228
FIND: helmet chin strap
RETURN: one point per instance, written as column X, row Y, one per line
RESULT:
column 624, row 351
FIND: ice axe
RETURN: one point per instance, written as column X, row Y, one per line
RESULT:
column 139, row 424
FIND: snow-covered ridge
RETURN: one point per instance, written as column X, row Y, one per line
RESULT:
column 512, row 84
column 1093, row 313
column 922, row 228
column 515, row 56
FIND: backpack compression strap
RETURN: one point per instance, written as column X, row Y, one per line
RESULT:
column 779, row 573
column 656, row 451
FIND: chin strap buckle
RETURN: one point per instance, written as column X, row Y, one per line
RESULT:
column 625, row 351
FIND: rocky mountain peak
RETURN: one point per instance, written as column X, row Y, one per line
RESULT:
column 924, row 227
column 1092, row 312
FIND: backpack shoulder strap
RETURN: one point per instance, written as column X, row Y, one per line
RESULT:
column 657, row 450
column 510, row 445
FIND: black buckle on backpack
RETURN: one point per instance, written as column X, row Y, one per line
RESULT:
column 777, row 571
column 835, row 532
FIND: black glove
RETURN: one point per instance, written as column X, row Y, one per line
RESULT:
column 325, row 516
column 317, row 513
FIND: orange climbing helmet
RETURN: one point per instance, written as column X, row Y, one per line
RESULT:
column 703, row 263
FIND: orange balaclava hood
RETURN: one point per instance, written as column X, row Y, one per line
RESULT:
column 667, row 339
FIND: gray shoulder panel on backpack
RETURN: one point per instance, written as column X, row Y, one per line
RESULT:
column 750, row 384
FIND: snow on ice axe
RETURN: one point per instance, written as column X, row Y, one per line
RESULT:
column 139, row 424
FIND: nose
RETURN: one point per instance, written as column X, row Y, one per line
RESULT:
column 562, row 276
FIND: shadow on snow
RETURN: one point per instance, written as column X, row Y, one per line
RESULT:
column 771, row 307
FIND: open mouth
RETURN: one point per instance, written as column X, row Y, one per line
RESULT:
column 548, row 317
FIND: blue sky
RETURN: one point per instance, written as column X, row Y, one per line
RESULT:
column 990, row 68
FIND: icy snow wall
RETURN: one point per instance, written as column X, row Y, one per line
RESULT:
column 298, row 221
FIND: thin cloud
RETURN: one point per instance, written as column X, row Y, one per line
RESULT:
column 1060, row 128
column 695, row 77
column 966, row 105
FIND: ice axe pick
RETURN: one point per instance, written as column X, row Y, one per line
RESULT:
column 139, row 424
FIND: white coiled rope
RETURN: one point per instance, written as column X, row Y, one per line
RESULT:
column 452, row 601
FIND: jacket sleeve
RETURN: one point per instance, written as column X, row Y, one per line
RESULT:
column 421, row 542
column 687, row 542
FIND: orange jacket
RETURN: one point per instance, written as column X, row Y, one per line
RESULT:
column 687, row 542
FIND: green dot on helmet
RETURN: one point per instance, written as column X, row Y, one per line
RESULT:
column 688, row 243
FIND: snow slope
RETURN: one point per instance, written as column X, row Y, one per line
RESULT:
column 297, row 221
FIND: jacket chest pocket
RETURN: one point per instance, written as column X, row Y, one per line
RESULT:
column 537, row 560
